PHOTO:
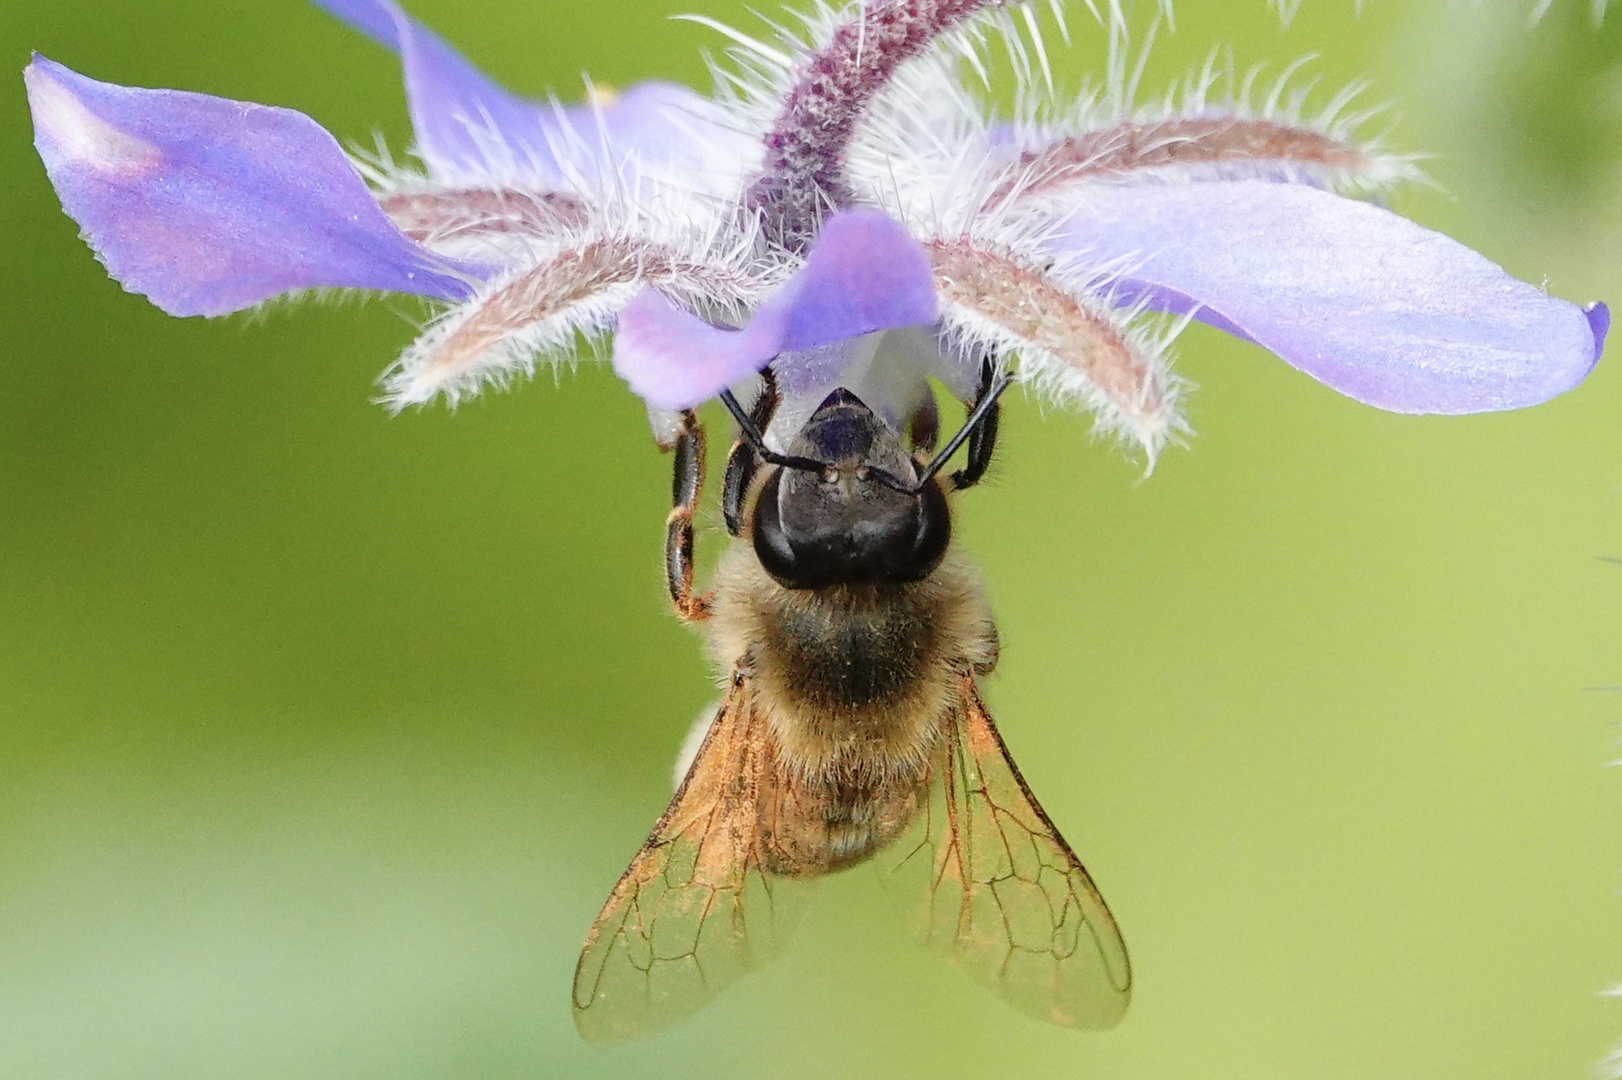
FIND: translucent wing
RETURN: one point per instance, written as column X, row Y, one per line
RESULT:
column 698, row 906
column 985, row 880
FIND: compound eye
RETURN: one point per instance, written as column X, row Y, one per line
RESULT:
column 934, row 532
column 772, row 546
column 881, row 539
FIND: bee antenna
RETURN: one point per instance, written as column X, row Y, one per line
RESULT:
column 752, row 436
column 974, row 420
column 988, row 400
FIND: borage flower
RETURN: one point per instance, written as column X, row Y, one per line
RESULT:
column 841, row 223
column 844, row 210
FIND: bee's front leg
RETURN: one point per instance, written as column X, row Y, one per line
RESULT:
column 743, row 461
column 687, row 485
column 983, row 438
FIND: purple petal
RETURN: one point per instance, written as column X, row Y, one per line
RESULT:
column 674, row 360
column 864, row 274
column 1367, row 302
column 463, row 120
column 377, row 19
column 207, row 205
column 470, row 127
column 1599, row 321
column 663, row 125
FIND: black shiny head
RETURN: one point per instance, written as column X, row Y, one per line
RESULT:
column 850, row 522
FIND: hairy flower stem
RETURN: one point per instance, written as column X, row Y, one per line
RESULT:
column 805, row 148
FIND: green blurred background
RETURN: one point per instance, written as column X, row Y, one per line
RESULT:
column 324, row 734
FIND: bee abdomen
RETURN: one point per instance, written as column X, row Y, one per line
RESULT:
column 829, row 827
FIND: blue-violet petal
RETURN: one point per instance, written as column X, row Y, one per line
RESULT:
column 207, row 205
column 471, row 129
column 1369, row 303
column 864, row 274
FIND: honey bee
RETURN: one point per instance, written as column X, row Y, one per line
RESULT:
column 852, row 639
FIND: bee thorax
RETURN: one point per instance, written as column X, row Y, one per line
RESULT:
column 851, row 655
column 854, row 680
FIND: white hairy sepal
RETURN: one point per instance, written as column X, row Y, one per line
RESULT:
column 567, row 259
column 1149, row 423
column 928, row 141
column 1219, row 123
column 572, row 290
column 1057, row 323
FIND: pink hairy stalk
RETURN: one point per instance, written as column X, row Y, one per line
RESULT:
column 1042, row 316
column 805, row 148
column 427, row 216
column 564, row 286
column 1181, row 142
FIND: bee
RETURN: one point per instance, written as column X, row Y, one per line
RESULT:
column 852, row 639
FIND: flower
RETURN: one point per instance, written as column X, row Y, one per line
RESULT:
column 843, row 209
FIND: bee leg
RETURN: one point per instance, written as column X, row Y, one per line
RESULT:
column 687, row 485
column 742, row 459
column 983, row 437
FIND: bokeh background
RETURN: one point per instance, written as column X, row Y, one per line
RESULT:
column 324, row 734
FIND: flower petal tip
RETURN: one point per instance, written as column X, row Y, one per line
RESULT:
column 1599, row 321
column 207, row 206
column 66, row 129
column 377, row 19
column 674, row 360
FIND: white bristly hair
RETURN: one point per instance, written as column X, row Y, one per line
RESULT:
column 981, row 195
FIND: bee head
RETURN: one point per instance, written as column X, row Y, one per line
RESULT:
column 857, row 519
